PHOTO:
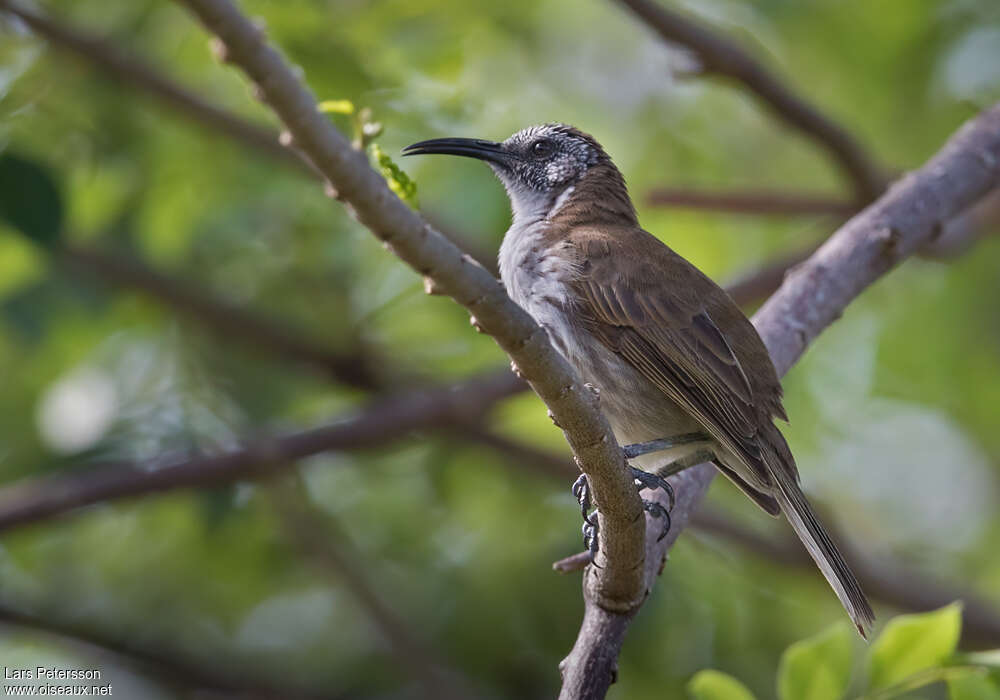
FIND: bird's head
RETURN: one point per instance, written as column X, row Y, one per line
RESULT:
column 539, row 165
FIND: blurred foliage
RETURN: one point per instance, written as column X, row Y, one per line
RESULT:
column 894, row 411
column 912, row 652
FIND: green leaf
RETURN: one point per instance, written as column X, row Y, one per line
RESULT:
column 336, row 107
column 398, row 181
column 29, row 199
column 973, row 687
column 912, row 643
column 716, row 685
column 817, row 668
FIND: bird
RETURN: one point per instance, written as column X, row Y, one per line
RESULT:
column 681, row 373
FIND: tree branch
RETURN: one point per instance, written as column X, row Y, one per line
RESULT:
column 38, row 498
column 721, row 56
column 225, row 318
column 750, row 201
column 618, row 583
column 814, row 294
column 134, row 71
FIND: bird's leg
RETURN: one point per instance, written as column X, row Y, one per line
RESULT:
column 686, row 462
column 643, row 448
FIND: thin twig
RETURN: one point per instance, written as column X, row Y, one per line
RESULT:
column 720, row 56
column 762, row 202
column 134, row 71
column 225, row 318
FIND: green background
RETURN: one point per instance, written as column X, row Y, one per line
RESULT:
column 894, row 411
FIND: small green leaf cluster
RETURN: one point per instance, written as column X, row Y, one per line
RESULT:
column 365, row 131
column 913, row 651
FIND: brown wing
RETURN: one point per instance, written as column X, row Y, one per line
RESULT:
column 659, row 317
column 665, row 318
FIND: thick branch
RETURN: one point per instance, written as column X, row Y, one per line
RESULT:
column 721, row 56
column 618, row 584
column 814, row 294
column 911, row 214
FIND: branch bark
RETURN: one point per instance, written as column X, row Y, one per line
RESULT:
column 814, row 294
column 721, row 56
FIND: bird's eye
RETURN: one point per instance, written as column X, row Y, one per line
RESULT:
column 542, row 148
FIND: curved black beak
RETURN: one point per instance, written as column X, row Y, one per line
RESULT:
column 489, row 151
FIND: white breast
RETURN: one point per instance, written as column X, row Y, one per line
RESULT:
column 536, row 277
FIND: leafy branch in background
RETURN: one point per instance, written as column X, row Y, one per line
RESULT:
column 913, row 651
column 364, row 132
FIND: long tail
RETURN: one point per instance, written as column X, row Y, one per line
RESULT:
column 824, row 552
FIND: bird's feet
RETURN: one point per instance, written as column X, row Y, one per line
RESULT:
column 643, row 480
column 581, row 490
column 647, row 480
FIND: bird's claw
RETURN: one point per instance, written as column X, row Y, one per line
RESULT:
column 644, row 480
column 658, row 511
column 648, row 480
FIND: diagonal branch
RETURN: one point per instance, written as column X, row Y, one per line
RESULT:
column 911, row 214
column 618, row 584
column 723, row 57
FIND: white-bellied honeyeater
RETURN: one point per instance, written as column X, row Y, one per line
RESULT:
column 682, row 374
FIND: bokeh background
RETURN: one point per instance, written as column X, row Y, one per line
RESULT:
column 351, row 572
